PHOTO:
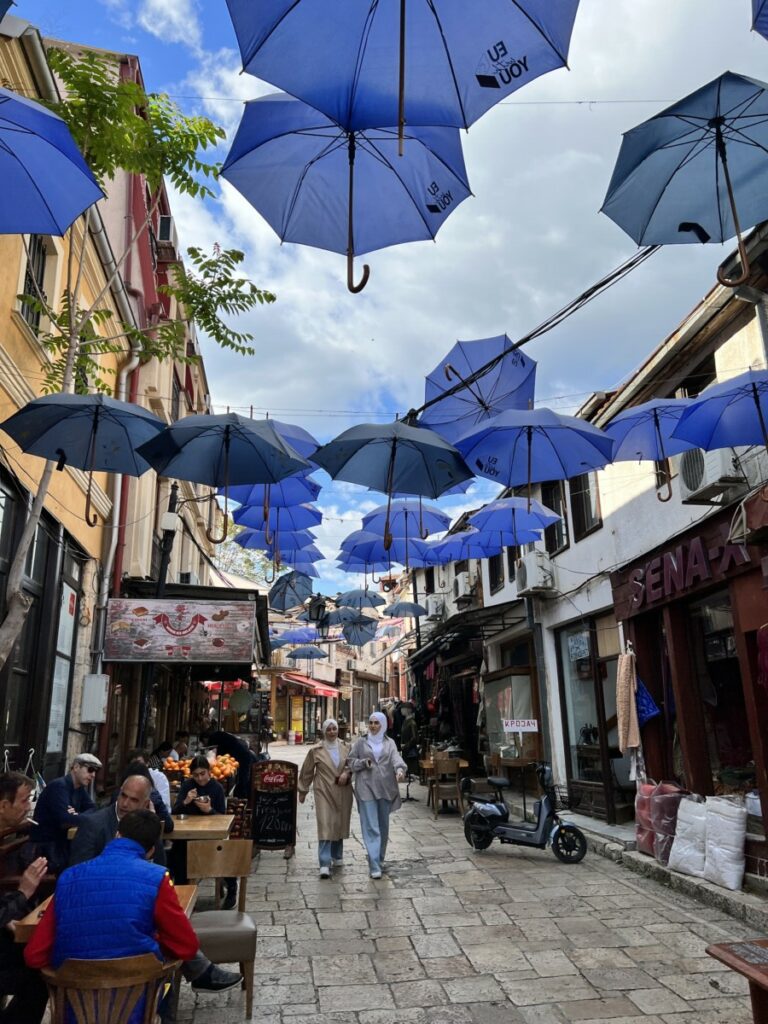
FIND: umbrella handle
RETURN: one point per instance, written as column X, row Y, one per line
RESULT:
column 355, row 288
column 90, row 521
column 660, row 496
column 743, row 277
column 223, row 537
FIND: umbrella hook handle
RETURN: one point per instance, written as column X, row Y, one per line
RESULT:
column 90, row 520
column 665, row 493
column 743, row 277
column 354, row 288
column 268, row 536
column 660, row 496
column 208, row 532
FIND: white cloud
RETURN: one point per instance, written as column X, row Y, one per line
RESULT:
column 172, row 21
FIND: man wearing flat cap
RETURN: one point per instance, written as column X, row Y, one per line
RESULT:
column 59, row 807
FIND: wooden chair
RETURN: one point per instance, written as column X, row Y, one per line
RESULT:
column 444, row 782
column 226, row 936
column 107, row 991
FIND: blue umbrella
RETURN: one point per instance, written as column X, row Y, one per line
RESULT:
column 358, row 634
column 280, row 520
column 472, row 544
column 301, row 635
column 353, row 563
column 310, row 652
column 259, row 540
column 513, row 516
column 358, row 537
column 392, row 629
column 646, row 431
column 318, row 184
column 292, row 490
column 532, row 445
column 342, row 616
column 290, row 591
column 760, row 17
column 388, row 62
column 734, row 412
column 405, row 610
column 508, row 384
column 698, row 171
column 409, row 551
column 46, row 182
column 359, row 599
column 297, row 437
column 407, row 519
column 91, row 432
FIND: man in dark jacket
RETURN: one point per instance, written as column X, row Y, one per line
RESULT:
column 226, row 743
column 60, row 807
column 26, row 872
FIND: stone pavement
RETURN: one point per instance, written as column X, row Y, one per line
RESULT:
column 453, row 936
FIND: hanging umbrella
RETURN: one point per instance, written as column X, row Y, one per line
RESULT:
column 472, row 543
column 407, row 519
column 392, row 62
column 342, row 616
column 280, row 520
column 222, row 450
column 318, row 184
column 409, row 551
column 393, row 457
column 698, row 171
column 404, row 610
column 509, row 384
column 391, row 629
column 299, row 635
column 646, row 432
column 90, row 432
column 512, row 515
column 297, row 437
column 760, row 17
column 310, row 652
column 290, row 591
column 46, row 182
column 258, row 540
column 292, row 490
column 355, row 564
column 734, row 412
column 359, row 599
column 532, row 445
column 357, row 634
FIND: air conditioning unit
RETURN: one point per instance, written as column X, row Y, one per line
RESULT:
column 166, row 231
column 189, row 577
column 461, row 585
column 706, row 475
column 434, row 605
column 535, row 573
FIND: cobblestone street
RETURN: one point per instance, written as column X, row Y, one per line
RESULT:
column 456, row 937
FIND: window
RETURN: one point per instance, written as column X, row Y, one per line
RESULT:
column 175, row 398
column 512, row 556
column 700, row 378
column 34, row 279
column 496, row 572
column 585, row 505
column 556, row 535
column 429, row 581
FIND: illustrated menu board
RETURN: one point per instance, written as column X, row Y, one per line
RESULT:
column 273, row 791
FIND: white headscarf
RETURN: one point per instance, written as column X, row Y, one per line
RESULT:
column 332, row 747
column 376, row 743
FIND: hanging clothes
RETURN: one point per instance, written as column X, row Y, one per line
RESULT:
column 626, row 706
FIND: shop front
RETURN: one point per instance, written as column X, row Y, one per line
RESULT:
column 695, row 611
column 300, row 706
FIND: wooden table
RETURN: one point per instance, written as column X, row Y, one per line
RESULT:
column 25, row 928
column 750, row 959
column 202, row 826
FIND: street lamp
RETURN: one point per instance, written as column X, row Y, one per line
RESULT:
column 317, row 615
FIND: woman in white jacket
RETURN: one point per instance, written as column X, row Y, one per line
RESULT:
column 376, row 767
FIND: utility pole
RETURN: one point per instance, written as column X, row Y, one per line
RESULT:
column 162, row 578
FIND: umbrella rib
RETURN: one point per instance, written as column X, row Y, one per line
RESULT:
column 362, row 46
column 449, row 61
column 333, row 144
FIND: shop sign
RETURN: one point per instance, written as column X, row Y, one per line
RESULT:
column 164, row 630
column 684, row 568
column 521, row 725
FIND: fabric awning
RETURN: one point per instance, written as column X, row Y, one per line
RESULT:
column 320, row 689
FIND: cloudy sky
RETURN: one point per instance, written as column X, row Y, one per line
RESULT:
column 529, row 240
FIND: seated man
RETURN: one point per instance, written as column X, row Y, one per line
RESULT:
column 102, row 826
column 27, row 988
column 60, row 807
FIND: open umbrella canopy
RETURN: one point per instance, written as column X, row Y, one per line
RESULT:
column 733, row 412
column 310, row 652
column 359, row 599
column 319, row 184
column 358, row 537
column 355, row 564
column 407, row 519
column 405, row 610
column 290, row 591
column 342, row 616
column 392, row 457
column 46, row 182
column 646, row 431
column 281, row 520
column 297, row 437
column 760, row 17
column 532, row 445
column 512, row 515
column 299, row 635
column 292, row 490
column 357, row 634
column 471, row 543
column 410, row 551
column 258, row 540
column 222, row 450
column 509, row 384
column 348, row 57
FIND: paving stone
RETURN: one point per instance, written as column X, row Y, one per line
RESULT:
column 342, row 970
column 438, row 944
column 597, row 1009
column 418, row 993
column 657, row 1000
column 618, row 978
column 549, row 990
column 356, row 997
column 398, row 967
column 495, row 957
column 705, row 986
column 480, row 989
column 550, row 964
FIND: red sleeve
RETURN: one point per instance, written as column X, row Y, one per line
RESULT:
column 174, row 932
column 37, row 952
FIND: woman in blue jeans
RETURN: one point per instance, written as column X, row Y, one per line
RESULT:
column 377, row 768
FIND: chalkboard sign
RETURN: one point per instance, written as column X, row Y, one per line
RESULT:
column 273, row 789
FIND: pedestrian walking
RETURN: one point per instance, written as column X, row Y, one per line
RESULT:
column 377, row 767
column 325, row 768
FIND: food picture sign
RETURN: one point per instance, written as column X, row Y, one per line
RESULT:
column 169, row 630
column 273, row 792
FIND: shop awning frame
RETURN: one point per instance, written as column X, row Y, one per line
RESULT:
column 319, row 688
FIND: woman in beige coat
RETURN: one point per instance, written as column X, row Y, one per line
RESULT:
column 325, row 768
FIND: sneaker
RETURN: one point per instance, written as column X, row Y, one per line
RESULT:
column 214, row 979
column 375, row 874
column 325, row 872
column 337, row 863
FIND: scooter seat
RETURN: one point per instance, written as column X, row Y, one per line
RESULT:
column 498, row 781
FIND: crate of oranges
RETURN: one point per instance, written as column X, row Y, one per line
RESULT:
column 222, row 768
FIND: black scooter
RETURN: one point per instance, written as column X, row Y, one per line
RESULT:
column 488, row 819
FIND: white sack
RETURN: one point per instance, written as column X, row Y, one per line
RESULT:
column 726, row 833
column 688, row 853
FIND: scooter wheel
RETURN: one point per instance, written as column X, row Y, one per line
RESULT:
column 477, row 840
column 569, row 844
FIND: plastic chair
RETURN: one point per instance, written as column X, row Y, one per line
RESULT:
column 107, row 991
column 226, row 936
